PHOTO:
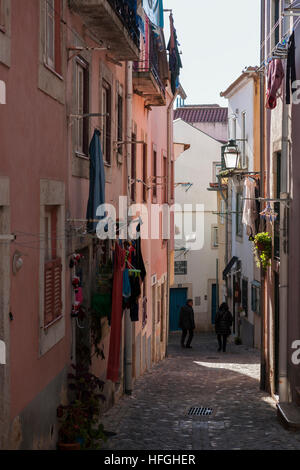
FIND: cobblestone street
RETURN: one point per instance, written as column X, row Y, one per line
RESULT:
column 156, row 417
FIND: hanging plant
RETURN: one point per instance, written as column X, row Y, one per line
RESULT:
column 263, row 249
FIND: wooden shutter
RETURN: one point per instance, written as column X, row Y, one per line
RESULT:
column 53, row 283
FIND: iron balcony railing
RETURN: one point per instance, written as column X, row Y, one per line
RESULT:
column 149, row 62
column 129, row 18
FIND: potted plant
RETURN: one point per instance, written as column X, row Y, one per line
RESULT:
column 80, row 427
column 73, row 424
column 263, row 249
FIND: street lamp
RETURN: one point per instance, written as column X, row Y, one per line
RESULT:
column 231, row 155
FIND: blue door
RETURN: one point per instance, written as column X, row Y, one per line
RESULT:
column 213, row 303
column 178, row 298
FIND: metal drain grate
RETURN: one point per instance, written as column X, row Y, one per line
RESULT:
column 200, row 411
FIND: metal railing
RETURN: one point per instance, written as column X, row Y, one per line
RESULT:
column 129, row 18
column 149, row 62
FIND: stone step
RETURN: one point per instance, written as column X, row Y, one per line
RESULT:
column 289, row 416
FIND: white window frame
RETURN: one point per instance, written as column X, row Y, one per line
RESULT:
column 215, row 236
column 50, row 16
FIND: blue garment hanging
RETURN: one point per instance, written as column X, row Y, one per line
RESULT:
column 126, row 284
column 97, row 182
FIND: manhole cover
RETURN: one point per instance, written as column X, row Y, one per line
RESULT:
column 200, row 411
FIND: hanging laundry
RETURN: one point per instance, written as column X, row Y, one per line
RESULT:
column 126, row 284
column 116, row 315
column 250, row 211
column 138, row 261
column 290, row 69
column 275, row 77
column 174, row 57
column 79, row 295
column 155, row 11
column 134, row 311
column 97, row 181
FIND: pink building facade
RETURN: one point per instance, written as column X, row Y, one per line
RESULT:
column 74, row 77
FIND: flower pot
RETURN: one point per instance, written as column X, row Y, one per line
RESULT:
column 73, row 446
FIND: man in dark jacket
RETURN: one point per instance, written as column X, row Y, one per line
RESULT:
column 187, row 323
column 223, row 322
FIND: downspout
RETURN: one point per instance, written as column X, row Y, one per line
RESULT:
column 128, row 323
column 169, row 179
column 283, row 274
column 263, row 369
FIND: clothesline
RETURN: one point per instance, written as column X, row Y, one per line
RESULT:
column 270, row 58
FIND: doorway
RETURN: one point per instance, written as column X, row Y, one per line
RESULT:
column 178, row 298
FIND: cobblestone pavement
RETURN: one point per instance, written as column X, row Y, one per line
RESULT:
column 156, row 417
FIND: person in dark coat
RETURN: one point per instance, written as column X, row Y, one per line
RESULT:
column 223, row 324
column 187, row 323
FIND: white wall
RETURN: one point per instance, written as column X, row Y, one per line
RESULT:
column 242, row 99
column 196, row 166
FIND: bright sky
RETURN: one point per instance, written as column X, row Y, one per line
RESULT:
column 218, row 39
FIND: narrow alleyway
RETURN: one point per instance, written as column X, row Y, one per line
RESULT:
column 156, row 417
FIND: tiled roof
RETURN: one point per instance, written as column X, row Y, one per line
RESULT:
column 193, row 114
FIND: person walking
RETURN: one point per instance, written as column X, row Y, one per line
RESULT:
column 187, row 323
column 223, row 324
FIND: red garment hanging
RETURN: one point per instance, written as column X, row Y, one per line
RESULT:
column 275, row 77
column 116, row 316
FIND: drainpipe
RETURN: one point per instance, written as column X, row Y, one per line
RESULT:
column 180, row 92
column 283, row 275
column 263, row 369
column 128, row 323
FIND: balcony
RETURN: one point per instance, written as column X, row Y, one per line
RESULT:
column 113, row 22
column 147, row 74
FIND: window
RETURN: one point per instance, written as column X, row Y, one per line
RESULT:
column 244, row 158
column 53, row 35
column 154, row 175
column 120, row 123
column 133, row 168
column 2, row 16
column 145, row 173
column 215, row 237
column 217, row 167
column 232, row 128
column 82, row 106
column 165, row 180
column 239, row 214
column 180, row 268
column 245, row 296
column 106, row 121
column 255, row 297
column 53, row 269
column 172, row 181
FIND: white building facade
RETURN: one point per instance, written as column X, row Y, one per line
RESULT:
column 196, row 251
column 243, row 279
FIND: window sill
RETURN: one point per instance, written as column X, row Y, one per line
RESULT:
column 51, row 69
column 81, row 155
column 45, row 327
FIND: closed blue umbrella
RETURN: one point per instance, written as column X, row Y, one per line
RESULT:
column 97, row 181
